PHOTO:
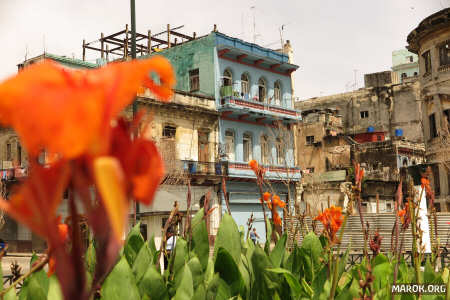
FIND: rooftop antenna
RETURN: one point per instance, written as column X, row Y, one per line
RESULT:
column 253, row 8
column 26, row 52
column 354, row 74
column 281, row 29
column 44, row 43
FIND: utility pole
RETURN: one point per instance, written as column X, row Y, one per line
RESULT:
column 133, row 56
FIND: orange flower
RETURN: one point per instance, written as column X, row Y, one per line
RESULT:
column 424, row 182
column 63, row 230
column 69, row 112
column 36, row 201
column 253, row 165
column 276, row 218
column 278, row 202
column 332, row 220
column 266, row 196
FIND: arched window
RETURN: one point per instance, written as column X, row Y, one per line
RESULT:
column 230, row 145
column 245, row 86
column 227, row 78
column 264, row 150
column 247, row 145
column 262, row 90
column 277, row 93
column 280, row 152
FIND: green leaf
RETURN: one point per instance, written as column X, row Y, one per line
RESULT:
column 200, row 293
column 296, row 288
column 181, row 255
column 277, row 254
column 382, row 274
column 218, row 289
column 196, row 271
column 228, row 237
column 143, row 261
column 152, row 285
column 209, row 273
column 319, row 281
column 200, row 238
column 185, row 290
column 312, row 247
column 268, row 236
column 379, row 259
column 228, row 271
column 10, row 295
column 54, row 289
column 90, row 258
column 36, row 291
column 264, row 281
column 120, row 283
column 133, row 244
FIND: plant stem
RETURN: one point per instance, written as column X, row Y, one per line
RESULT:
column 414, row 245
column 335, row 275
column 266, row 221
column 35, row 268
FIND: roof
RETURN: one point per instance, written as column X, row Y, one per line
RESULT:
column 436, row 21
column 64, row 60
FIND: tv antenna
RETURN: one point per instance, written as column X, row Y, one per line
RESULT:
column 255, row 35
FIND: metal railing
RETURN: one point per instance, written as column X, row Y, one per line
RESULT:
column 258, row 105
column 203, row 168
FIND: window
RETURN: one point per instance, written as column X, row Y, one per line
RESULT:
column 264, row 150
column 427, row 62
column 436, row 179
column 404, row 75
column 364, row 114
column 388, row 207
column 310, row 170
column 229, row 145
column 169, row 131
column 277, row 93
column 247, row 145
column 444, row 54
column 245, row 86
column 415, row 73
column 19, row 154
column 411, row 58
column 8, row 152
column 437, row 205
column 446, row 121
column 227, row 78
column 309, row 140
column 405, row 162
column 143, row 230
column 433, row 130
column 280, row 152
column 194, row 80
column 379, row 138
column 262, row 90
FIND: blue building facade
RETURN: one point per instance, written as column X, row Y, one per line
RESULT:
column 253, row 95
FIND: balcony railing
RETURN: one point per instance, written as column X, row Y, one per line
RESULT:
column 268, row 168
column 237, row 100
column 192, row 167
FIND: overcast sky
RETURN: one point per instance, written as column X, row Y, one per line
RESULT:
column 331, row 38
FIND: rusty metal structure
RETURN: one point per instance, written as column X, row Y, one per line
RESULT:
column 120, row 43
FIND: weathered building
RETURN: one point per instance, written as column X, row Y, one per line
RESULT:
column 405, row 65
column 431, row 42
column 382, row 161
column 394, row 109
column 252, row 87
column 323, row 153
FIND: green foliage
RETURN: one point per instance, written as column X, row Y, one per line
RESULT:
column 237, row 270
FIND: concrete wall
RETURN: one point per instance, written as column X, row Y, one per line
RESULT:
column 195, row 54
column 389, row 107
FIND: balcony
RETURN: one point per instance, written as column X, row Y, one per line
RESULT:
column 273, row 172
column 237, row 107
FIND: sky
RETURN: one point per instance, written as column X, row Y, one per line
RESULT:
column 334, row 41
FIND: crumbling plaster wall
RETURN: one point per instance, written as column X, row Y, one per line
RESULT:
column 386, row 112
